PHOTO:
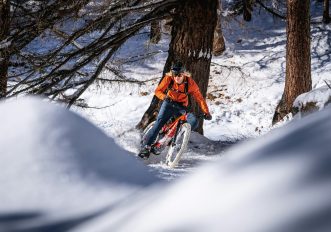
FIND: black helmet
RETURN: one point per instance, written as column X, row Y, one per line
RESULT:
column 177, row 67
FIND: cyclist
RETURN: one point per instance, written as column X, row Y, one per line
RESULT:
column 174, row 90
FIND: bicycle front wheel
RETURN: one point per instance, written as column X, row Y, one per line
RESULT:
column 178, row 147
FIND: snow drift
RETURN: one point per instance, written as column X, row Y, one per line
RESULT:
column 50, row 182
column 54, row 161
column 280, row 182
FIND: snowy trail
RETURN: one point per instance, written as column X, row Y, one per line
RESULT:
column 119, row 120
column 200, row 150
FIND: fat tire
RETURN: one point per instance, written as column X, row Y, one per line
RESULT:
column 176, row 151
column 147, row 129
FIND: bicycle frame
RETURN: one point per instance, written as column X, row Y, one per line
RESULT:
column 175, row 134
column 170, row 131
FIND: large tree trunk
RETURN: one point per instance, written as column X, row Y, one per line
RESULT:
column 192, row 39
column 219, row 43
column 298, row 63
column 326, row 15
column 4, row 56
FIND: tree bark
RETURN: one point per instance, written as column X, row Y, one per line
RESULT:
column 219, row 43
column 326, row 15
column 298, row 60
column 4, row 56
column 247, row 10
column 192, row 39
column 155, row 35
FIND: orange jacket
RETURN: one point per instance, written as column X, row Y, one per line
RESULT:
column 180, row 96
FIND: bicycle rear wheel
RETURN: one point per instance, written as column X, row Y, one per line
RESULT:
column 178, row 147
column 147, row 129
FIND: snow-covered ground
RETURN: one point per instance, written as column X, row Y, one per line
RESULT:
column 59, row 172
column 280, row 182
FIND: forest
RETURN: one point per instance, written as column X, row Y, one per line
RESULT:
column 80, row 93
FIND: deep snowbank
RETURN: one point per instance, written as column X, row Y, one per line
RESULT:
column 52, row 159
column 280, row 182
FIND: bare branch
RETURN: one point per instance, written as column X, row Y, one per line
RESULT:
column 271, row 11
column 327, row 84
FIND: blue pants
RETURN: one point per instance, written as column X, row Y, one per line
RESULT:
column 167, row 110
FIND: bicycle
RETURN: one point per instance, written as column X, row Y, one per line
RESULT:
column 175, row 134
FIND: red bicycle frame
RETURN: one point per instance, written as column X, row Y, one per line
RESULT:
column 169, row 131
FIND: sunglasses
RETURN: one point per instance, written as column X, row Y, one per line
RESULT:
column 176, row 72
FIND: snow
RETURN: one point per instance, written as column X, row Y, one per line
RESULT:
column 320, row 96
column 59, row 171
column 274, row 183
column 203, row 54
column 4, row 44
column 280, row 182
column 52, row 159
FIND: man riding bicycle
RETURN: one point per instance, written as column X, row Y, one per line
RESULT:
column 179, row 84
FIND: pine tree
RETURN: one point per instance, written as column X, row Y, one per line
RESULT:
column 298, row 60
column 192, row 39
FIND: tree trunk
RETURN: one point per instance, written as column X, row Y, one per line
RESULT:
column 219, row 43
column 192, row 38
column 326, row 15
column 298, row 63
column 4, row 56
column 155, row 35
column 247, row 10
